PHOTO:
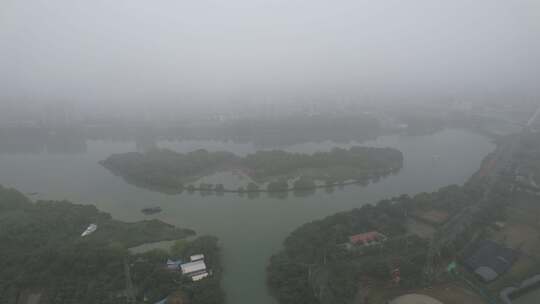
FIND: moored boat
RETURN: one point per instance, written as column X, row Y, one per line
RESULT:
column 151, row 210
column 91, row 228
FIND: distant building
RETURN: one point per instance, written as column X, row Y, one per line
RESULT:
column 489, row 260
column 367, row 239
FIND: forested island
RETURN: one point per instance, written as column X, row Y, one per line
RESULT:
column 44, row 257
column 264, row 171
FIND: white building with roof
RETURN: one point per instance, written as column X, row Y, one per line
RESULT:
column 196, row 257
column 196, row 268
column 199, row 276
column 193, row 267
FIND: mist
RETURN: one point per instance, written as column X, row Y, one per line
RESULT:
column 140, row 54
column 269, row 151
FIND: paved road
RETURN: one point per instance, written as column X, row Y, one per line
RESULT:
column 534, row 117
column 459, row 222
column 130, row 291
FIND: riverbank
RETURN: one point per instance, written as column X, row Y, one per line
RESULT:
column 489, row 218
column 250, row 230
column 45, row 248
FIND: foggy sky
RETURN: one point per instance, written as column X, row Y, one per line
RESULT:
column 217, row 51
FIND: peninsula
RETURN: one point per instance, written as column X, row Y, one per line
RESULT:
column 46, row 259
column 451, row 239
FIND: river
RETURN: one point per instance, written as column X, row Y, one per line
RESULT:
column 249, row 229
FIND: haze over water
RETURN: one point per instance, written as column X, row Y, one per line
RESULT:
column 250, row 230
column 130, row 71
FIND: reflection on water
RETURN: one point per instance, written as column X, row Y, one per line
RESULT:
column 250, row 228
column 62, row 144
column 36, row 141
column 230, row 179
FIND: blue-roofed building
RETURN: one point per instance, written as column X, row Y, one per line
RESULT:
column 489, row 260
column 173, row 265
column 164, row 301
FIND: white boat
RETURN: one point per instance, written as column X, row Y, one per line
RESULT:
column 91, row 228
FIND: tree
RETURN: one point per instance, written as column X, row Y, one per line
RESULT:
column 276, row 186
column 252, row 187
column 304, row 183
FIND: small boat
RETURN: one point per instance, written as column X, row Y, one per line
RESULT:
column 91, row 228
column 151, row 210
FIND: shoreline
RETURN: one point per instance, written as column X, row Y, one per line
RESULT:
column 192, row 190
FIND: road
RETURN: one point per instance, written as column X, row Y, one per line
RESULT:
column 534, row 117
column 463, row 219
column 130, row 291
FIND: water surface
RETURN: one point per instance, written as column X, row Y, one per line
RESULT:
column 250, row 229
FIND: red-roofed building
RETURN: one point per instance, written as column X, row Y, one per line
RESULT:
column 367, row 239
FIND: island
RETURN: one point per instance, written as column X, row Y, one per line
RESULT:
column 263, row 171
column 473, row 243
column 60, row 252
